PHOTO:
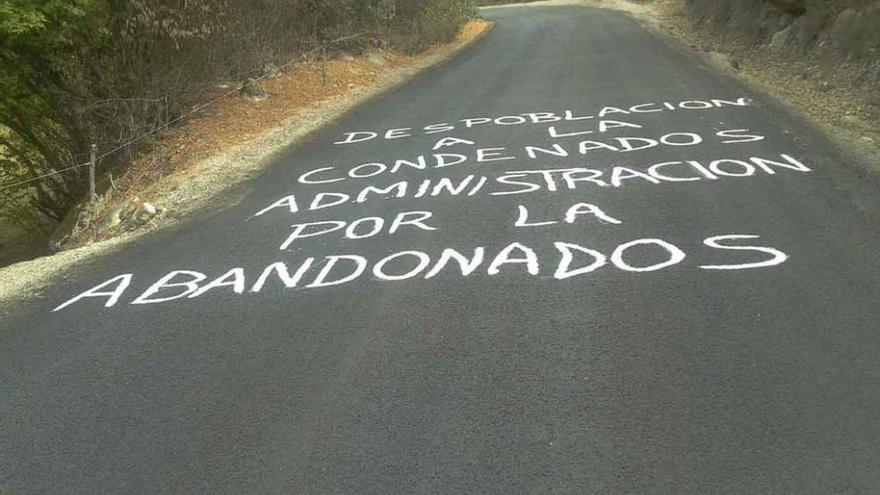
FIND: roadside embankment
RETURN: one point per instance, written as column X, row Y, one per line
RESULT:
column 822, row 56
column 818, row 58
column 234, row 141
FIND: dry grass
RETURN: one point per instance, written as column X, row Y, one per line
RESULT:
column 233, row 141
column 301, row 100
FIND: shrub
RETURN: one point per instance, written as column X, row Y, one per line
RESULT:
column 75, row 72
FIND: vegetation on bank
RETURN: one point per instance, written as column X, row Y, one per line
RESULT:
column 77, row 72
column 832, row 43
column 502, row 2
column 839, row 30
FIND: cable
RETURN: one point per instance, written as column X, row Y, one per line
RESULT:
column 40, row 177
column 196, row 109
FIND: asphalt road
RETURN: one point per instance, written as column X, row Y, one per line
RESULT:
column 631, row 370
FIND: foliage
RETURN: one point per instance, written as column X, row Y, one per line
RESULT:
column 501, row 2
column 419, row 22
column 36, row 137
column 75, row 72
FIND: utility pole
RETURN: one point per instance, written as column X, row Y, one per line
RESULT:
column 92, row 163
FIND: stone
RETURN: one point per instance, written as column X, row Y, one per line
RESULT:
column 148, row 209
column 376, row 57
column 111, row 220
column 779, row 40
column 143, row 214
column 251, row 90
column 66, row 228
column 723, row 61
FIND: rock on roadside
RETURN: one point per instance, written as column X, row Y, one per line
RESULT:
column 722, row 61
column 252, row 91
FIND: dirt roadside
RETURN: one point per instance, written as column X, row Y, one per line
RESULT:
column 223, row 146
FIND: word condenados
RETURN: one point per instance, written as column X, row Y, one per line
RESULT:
column 425, row 163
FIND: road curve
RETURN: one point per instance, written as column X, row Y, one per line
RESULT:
column 652, row 315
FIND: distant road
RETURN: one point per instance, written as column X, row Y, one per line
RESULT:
column 571, row 260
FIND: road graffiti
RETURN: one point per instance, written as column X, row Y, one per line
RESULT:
column 461, row 169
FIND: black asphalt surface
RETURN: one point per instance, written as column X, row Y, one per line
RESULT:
column 683, row 380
